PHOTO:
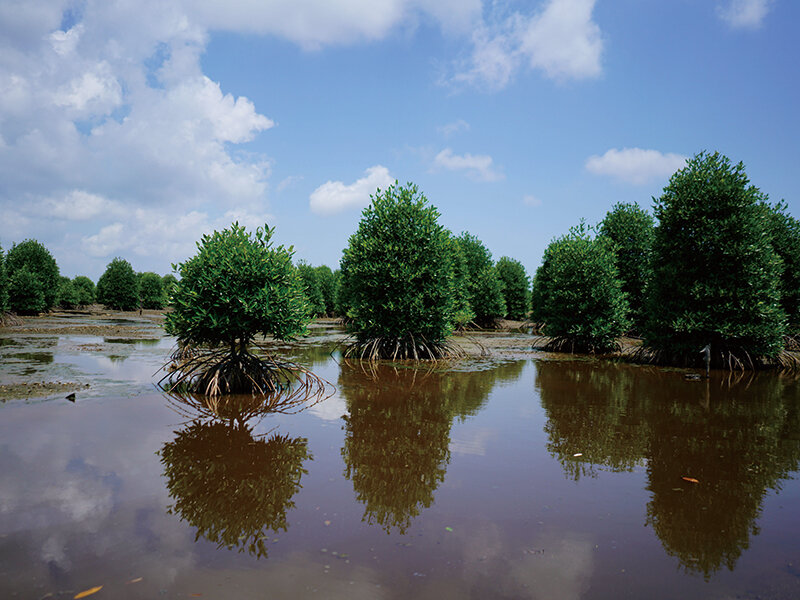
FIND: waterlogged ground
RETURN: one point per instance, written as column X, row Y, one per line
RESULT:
column 520, row 475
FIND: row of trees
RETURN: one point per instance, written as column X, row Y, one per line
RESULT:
column 30, row 283
column 718, row 266
column 489, row 290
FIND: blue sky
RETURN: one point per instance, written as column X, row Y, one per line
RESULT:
column 131, row 127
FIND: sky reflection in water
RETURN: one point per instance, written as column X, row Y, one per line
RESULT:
column 546, row 479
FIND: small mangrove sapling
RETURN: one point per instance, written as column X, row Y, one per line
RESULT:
column 238, row 286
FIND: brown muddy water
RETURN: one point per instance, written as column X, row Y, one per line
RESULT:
column 516, row 476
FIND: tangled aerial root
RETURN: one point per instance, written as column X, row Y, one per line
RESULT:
column 572, row 345
column 9, row 320
column 726, row 358
column 406, row 348
column 217, row 384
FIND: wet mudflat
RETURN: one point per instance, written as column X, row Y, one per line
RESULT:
column 514, row 476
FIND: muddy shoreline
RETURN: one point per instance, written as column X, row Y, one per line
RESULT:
column 46, row 356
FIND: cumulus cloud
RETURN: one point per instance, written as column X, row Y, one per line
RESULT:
column 744, row 14
column 479, row 167
column 79, row 205
column 335, row 196
column 151, row 233
column 561, row 40
column 635, row 165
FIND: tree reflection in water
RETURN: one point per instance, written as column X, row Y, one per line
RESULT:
column 737, row 438
column 397, row 433
column 233, row 487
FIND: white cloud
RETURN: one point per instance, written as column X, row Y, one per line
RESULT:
column 635, row 165
column 744, row 14
column 80, row 205
column 96, row 92
column 156, row 233
column 531, row 200
column 561, row 40
column 109, row 240
column 316, row 23
column 335, row 196
column 453, row 128
column 477, row 166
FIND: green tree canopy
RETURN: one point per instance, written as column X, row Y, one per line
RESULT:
column 464, row 315
column 516, row 287
column 312, row 288
column 118, row 286
column 25, row 293
column 484, row 290
column 397, row 277
column 327, row 285
column 3, row 283
column 168, row 282
column 86, row 290
column 716, row 276
column 37, row 259
column 577, row 293
column 237, row 286
column 151, row 291
column 631, row 229
column 68, row 296
column 785, row 231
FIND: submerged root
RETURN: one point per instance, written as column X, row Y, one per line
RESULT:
column 406, row 348
column 216, row 383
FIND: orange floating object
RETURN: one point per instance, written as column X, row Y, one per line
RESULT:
column 88, row 592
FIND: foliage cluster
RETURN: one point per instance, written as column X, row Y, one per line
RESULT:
column 151, row 291
column 328, row 281
column 312, row 288
column 716, row 275
column 68, row 296
column 516, row 287
column 86, row 290
column 3, row 283
column 168, row 282
column 630, row 228
column 237, row 286
column 26, row 293
column 484, row 289
column 397, row 277
column 32, row 271
column 463, row 314
column 785, row 231
column 577, row 293
column 118, row 286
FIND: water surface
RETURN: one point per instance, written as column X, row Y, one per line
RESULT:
column 497, row 478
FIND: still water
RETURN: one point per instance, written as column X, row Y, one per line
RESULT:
column 500, row 478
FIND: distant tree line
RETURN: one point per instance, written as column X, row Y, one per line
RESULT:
column 30, row 283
